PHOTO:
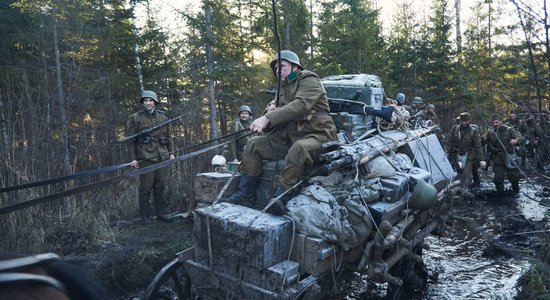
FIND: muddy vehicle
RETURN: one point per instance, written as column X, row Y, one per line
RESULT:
column 380, row 190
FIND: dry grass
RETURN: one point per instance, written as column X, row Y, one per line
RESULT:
column 72, row 224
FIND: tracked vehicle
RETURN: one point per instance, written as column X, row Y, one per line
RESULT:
column 378, row 192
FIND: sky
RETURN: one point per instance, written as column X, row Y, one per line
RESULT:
column 169, row 9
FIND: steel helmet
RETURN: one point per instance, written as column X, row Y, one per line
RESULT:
column 149, row 94
column 288, row 56
column 245, row 108
column 400, row 98
column 218, row 160
column 431, row 106
column 417, row 100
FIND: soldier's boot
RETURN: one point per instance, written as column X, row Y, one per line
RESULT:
column 279, row 206
column 245, row 195
column 144, row 209
column 515, row 187
column 160, row 207
column 475, row 177
column 500, row 187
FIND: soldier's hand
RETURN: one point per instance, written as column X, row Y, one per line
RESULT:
column 259, row 124
column 172, row 156
column 134, row 163
column 514, row 142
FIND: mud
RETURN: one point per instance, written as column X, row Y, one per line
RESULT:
column 492, row 243
column 487, row 251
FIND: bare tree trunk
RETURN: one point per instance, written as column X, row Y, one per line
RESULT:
column 531, row 57
column 547, row 46
column 458, row 33
column 3, row 129
column 61, row 99
column 210, row 67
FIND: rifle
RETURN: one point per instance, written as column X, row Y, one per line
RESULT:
column 359, row 108
column 149, row 129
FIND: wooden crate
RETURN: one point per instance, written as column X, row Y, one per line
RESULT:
column 208, row 185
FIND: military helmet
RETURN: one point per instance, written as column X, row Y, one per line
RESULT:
column 431, row 106
column 149, row 94
column 400, row 98
column 417, row 100
column 288, row 56
column 245, row 108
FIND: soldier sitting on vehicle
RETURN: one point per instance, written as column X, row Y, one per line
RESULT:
column 302, row 123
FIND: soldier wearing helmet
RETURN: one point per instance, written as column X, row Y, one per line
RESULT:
column 464, row 149
column 148, row 149
column 429, row 115
column 236, row 147
column 400, row 99
column 302, row 123
column 416, row 106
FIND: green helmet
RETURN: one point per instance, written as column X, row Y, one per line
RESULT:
column 288, row 56
column 417, row 100
column 431, row 106
column 149, row 94
column 245, row 108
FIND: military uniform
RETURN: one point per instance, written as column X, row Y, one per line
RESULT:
column 150, row 149
column 498, row 143
column 236, row 148
column 303, row 124
column 428, row 116
column 464, row 141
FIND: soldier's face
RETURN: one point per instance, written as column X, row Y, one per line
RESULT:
column 496, row 123
column 148, row 103
column 286, row 69
column 244, row 115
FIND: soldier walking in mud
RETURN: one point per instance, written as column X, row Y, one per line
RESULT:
column 500, row 142
column 236, row 148
column 302, row 123
column 464, row 148
column 149, row 149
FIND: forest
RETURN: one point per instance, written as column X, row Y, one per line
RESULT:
column 71, row 72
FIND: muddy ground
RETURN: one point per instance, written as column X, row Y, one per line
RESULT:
column 490, row 236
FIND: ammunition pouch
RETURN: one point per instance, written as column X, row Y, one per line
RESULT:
column 163, row 140
column 144, row 139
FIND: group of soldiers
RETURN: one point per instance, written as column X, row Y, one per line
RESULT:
column 507, row 145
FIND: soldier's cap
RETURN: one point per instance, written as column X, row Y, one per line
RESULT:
column 496, row 117
column 465, row 116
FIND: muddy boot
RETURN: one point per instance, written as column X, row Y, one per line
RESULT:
column 278, row 208
column 160, row 207
column 245, row 195
column 144, row 209
column 500, row 187
column 515, row 187
column 475, row 177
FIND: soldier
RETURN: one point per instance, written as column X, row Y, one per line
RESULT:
column 303, row 123
column 236, row 147
column 416, row 106
column 464, row 148
column 149, row 149
column 429, row 115
column 500, row 141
